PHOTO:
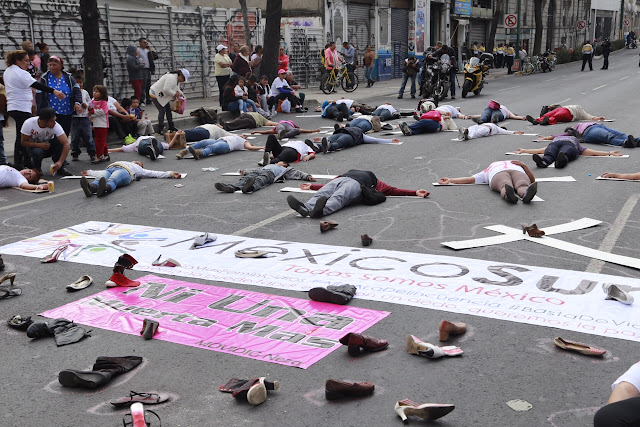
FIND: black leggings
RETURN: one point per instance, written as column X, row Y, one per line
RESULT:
column 162, row 111
column 280, row 153
column 222, row 80
column 21, row 157
column 623, row 413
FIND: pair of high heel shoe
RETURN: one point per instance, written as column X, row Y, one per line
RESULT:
column 8, row 291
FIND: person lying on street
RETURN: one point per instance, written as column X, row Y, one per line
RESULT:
column 554, row 114
column 148, row 146
column 430, row 122
column 512, row 179
column 202, row 132
column 285, row 129
column 248, row 120
column 351, row 187
column 597, row 133
column 485, row 129
column 26, row 179
column 118, row 174
column 495, row 113
column 290, row 152
column 213, row 147
column 255, row 179
column 348, row 137
column 366, row 123
column 561, row 151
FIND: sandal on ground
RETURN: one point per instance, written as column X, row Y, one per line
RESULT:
column 82, row 283
column 169, row 262
column 19, row 322
column 135, row 397
column 10, row 292
column 415, row 345
column 532, row 230
column 139, row 417
column 53, row 257
column 578, row 347
column 327, row 225
column 244, row 253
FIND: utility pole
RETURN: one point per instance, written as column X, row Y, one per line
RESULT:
column 518, row 30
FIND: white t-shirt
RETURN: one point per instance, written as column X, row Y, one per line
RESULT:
column 277, row 85
column 449, row 109
column 487, row 175
column 302, row 148
column 387, row 107
column 111, row 103
column 18, row 85
column 86, row 99
column 10, row 177
column 215, row 132
column 632, row 376
column 143, row 55
column 132, row 148
column 38, row 134
column 505, row 112
column 347, row 102
column 235, row 142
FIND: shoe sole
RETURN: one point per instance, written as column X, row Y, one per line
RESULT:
column 193, row 153
column 530, row 193
column 102, row 187
column 74, row 379
column 156, row 149
column 539, row 161
column 317, row 210
column 430, row 412
column 248, row 185
column 297, row 206
column 84, row 183
column 325, row 295
column 224, row 188
column 512, row 197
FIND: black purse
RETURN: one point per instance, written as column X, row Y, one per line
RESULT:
column 371, row 196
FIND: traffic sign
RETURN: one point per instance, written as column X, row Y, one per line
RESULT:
column 581, row 24
column 510, row 21
column 626, row 22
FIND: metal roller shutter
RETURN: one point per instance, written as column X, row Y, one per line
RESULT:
column 478, row 31
column 399, row 38
column 358, row 31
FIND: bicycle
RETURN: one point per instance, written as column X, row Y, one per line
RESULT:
column 348, row 80
column 528, row 67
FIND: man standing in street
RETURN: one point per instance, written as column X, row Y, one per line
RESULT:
column 146, row 57
column 369, row 59
column 409, row 71
column 348, row 52
column 606, row 50
column 587, row 55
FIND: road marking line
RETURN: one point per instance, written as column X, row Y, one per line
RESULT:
column 508, row 88
column 599, row 87
column 609, row 241
column 550, row 80
column 625, row 77
column 28, row 202
column 263, row 222
column 564, row 100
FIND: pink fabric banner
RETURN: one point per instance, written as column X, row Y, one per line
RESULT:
column 272, row 328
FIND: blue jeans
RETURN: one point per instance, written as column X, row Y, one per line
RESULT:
column 600, row 134
column 243, row 103
column 211, row 147
column 116, row 177
column 233, row 106
column 3, row 158
column 368, row 71
column 81, row 133
column 361, row 124
column 551, row 152
column 452, row 81
column 489, row 113
column 425, row 126
column 341, row 140
column 197, row 134
column 383, row 113
column 145, row 144
column 404, row 83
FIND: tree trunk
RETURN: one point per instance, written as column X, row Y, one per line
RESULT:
column 245, row 22
column 497, row 14
column 269, row 65
column 90, row 16
column 551, row 25
column 537, row 15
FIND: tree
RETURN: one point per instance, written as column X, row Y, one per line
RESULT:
column 90, row 16
column 245, row 22
column 497, row 15
column 537, row 16
column 269, row 65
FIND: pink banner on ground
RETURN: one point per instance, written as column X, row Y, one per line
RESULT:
column 272, row 328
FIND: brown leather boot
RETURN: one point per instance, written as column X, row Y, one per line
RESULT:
column 447, row 328
column 335, row 389
column 532, row 230
column 356, row 341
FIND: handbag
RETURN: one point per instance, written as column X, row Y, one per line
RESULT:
column 371, row 196
column 178, row 105
column 182, row 140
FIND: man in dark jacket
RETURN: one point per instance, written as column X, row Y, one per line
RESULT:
column 59, row 79
column 606, row 50
column 135, row 70
column 409, row 71
column 146, row 57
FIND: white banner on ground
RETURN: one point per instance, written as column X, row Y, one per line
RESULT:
column 565, row 299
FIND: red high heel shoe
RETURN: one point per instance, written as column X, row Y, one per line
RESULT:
column 55, row 254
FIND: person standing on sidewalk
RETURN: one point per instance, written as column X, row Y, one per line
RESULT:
column 509, row 57
column 146, row 57
column 606, row 50
column 587, row 55
column 409, row 71
column 369, row 59
column 222, row 63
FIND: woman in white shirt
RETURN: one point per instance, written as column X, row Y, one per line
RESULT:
column 26, row 178
column 164, row 91
column 222, row 64
column 19, row 83
column 509, row 178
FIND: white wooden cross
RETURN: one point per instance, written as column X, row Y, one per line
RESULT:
column 510, row 234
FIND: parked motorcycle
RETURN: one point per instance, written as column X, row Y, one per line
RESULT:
column 436, row 81
column 428, row 80
column 474, row 75
column 633, row 44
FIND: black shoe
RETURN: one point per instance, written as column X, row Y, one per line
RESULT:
column 155, row 148
column 84, row 183
column 325, row 145
column 248, row 185
column 340, row 117
column 311, row 145
column 477, row 120
column 561, row 161
column 630, row 142
column 19, row 322
column 297, row 206
column 545, row 121
column 530, row 193
column 336, row 127
column 333, row 294
column 404, row 127
column 63, row 172
column 316, row 212
column 413, row 96
column 225, row 188
column 416, row 117
column 74, row 157
column 102, row 187
column 494, row 119
column 39, row 330
column 399, row 96
column 510, row 193
column 532, row 120
column 545, row 110
column 540, row 162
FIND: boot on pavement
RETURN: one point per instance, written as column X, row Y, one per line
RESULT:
column 104, row 370
column 334, row 294
column 125, row 262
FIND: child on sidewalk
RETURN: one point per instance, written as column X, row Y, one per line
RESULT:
column 253, row 94
column 145, row 128
column 81, row 125
column 264, row 89
column 99, row 111
column 241, row 91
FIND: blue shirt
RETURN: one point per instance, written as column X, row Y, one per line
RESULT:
column 60, row 106
column 276, row 169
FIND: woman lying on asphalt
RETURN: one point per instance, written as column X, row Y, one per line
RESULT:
column 562, row 150
column 118, row 174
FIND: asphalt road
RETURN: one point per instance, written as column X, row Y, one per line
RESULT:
column 502, row 360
